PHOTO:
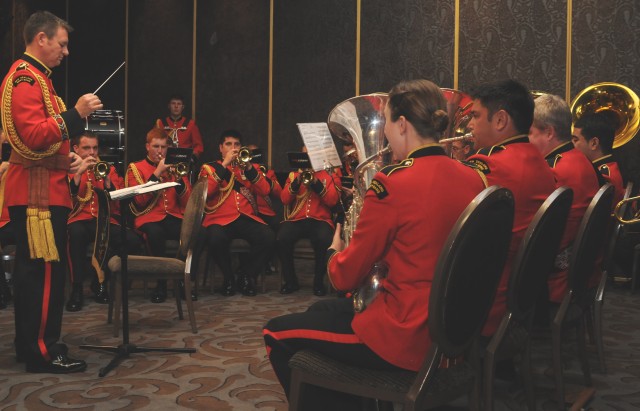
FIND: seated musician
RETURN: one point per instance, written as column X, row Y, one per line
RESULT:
column 462, row 149
column 158, row 214
column 82, row 221
column 307, row 214
column 232, row 212
column 401, row 226
column 593, row 134
column 501, row 116
column 551, row 135
column 6, row 230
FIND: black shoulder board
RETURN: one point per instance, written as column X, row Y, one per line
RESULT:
column 478, row 165
column 23, row 79
column 22, row 66
column 393, row 167
column 378, row 189
column 487, row 151
column 604, row 170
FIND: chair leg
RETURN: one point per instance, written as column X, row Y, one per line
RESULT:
column 597, row 329
column 582, row 352
column 556, row 337
column 295, row 391
column 176, row 291
column 489, row 370
column 527, row 376
column 189, row 301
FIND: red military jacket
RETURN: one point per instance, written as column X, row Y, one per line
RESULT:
column 39, row 127
column 4, row 209
column 517, row 165
column 407, row 215
column 187, row 132
column 313, row 201
column 265, row 203
column 155, row 206
column 85, row 204
column 230, row 193
column 610, row 171
column 571, row 168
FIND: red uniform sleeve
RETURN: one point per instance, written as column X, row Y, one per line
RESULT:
column 196, row 139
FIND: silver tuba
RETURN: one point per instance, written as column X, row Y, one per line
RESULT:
column 360, row 121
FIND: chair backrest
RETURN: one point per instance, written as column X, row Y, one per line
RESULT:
column 193, row 215
column 468, row 270
column 617, row 230
column 535, row 257
column 589, row 242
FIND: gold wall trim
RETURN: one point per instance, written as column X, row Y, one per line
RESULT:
column 456, row 44
column 193, row 62
column 270, row 110
column 358, row 29
column 567, row 80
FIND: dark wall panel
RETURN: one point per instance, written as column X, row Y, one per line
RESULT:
column 232, row 70
column 314, row 66
column 160, row 63
column 406, row 39
column 525, row 40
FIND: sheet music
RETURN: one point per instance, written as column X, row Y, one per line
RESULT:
column 148, row 187
column 320, row 146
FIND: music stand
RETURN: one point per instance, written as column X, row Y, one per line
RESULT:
column 123, row 350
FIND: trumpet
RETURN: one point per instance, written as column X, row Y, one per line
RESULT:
column 619, row 211
column 306, row 177
column 456, row 138
column 179, row 169
column 244, row 157
column 100, row 170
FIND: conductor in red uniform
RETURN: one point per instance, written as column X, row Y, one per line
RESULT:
column 501, row 116
column 401, row 226
column 37, row 190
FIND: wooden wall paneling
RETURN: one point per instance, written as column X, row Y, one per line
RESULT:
column 406, row 39
column 313, row 64
column 232, row 71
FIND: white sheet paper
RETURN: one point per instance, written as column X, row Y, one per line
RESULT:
column 320, row 146
column 148, row 187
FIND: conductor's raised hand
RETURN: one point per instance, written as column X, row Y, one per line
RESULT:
column 87, row 104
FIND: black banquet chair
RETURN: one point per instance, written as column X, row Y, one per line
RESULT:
column 529, row 271
column 576, row 304
column 465, row 282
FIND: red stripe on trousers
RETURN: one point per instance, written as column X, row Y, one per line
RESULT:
column 314, row 335
column 45, row 311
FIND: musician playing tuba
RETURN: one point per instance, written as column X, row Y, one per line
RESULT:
column 408, row 212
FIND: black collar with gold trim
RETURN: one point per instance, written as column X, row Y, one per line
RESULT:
column 597, row 163
column 153, row 163
column 520, row 138
column 36, row 63
column 556, row 154
column 433, row 149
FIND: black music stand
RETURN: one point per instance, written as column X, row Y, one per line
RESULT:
column 123, row 350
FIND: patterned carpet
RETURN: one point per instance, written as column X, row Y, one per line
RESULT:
column 230, row 371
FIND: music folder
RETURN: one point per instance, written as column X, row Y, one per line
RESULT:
column 177, row 155
column 299, row 160
column 148, row 187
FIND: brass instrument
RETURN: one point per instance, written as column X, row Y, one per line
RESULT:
column 243, row 159
column 467, row 136
column 620, row 211
column 179, row 169
column 100, row 170
column 615, row 97
column 306, row 177
column 359, row 121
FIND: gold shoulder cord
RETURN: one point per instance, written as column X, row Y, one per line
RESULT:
column 132, row 205
column 82, row 201
column 301, row 200
column 225, row 191
column 10, row 128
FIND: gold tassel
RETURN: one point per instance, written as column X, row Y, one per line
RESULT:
column 51, row 252
column 33, row 233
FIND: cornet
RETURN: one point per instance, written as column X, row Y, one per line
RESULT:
column 620, row 211
column 244, row 157
column 457, row 138
column 306, row 177
column 179, row 169
column 100, row 170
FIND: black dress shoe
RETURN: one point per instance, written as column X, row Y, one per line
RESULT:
column 101, row 293
column 288, row 288
column 159, row 295
column 76, row 300
column 194, row 296
column 227, row 288
column 246, row 286
column 60, row 364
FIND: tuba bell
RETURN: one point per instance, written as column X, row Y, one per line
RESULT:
column 614, row 97
column 359, row 121
column 459, row 112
